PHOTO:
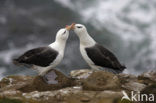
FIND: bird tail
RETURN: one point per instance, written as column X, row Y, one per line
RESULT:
column 114, row 71
column 20, row 63
column 122, row 68
column 16, row 61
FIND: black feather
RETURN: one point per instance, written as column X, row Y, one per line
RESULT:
column 41, row 56
column 103, row 57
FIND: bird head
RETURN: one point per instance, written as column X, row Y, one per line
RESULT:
column 79, row 29
column 63, row 34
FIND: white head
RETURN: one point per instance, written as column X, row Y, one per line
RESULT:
column 62, row 34
column 81, row 32
column 79, row 29
column 60, row 40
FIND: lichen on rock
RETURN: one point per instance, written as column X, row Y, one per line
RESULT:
column 86, row 87
column 39, row 84
column 101, row 80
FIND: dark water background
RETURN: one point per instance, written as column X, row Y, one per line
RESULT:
column 127, row 28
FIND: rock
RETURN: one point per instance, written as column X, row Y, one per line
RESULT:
column 14, row 82
column 101, row 80
column 6, row 100
column 126, row 101
column 148, row 77
column 68, row 95
column 84, row 99
column 125, row 78
column 151, row 89
column 130, row 82
column 134, row 86
column 109, row 97
column 80, row 74
column 39, row 84
column 29, row 84
column 98, row 87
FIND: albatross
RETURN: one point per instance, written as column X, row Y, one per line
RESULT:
column 45, row 58
column 97, row 56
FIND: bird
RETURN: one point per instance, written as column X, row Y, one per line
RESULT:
column 43, row 59
column 96, row 56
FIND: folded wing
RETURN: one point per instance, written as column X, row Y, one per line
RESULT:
column 103, row 57
column 41, row 56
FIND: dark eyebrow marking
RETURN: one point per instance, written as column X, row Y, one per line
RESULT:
column 79, row 26
column 64, row 32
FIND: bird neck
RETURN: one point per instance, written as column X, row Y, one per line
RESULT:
column 86, row 40
column 58, row 45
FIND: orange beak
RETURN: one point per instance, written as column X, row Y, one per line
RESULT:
column 72, row 26
column 68, row 27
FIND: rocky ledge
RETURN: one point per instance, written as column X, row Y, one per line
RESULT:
column 82, row 86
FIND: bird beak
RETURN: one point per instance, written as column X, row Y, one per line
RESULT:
column 68, row 27
column 72, row 26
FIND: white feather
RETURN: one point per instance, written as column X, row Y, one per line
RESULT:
column 59, row 46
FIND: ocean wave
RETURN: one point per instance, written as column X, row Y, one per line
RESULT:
column 2, row 70
column 6, row 56
column 133, row 21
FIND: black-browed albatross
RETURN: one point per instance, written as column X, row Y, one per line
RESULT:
column 45, row 58
column 95, row 54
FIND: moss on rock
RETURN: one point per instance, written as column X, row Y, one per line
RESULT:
column 96, row 87
column 101, row 80
column 7, row 100
column 40, row 85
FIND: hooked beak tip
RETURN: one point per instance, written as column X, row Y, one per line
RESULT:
column 68, row 27
column 72, row 26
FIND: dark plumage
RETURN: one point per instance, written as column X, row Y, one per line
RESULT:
column 41, row 56
column 103, row 57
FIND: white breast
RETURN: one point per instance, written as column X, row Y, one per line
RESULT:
column 60, row 48
column 57, row 60
column 85, row 56
column 87, row 59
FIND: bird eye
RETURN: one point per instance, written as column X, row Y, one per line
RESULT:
column 79, row 26
column 64, row 32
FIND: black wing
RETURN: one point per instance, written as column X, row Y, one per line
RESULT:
column 41, row 56
column 103, row 57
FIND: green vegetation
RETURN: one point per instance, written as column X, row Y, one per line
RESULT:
column 6, row 100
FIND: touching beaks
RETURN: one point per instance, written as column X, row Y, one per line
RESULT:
column 72, row 26
column 68, row 27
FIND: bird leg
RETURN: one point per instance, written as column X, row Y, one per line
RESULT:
column 43, row 71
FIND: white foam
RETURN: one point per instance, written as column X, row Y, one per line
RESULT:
column 7, row 55
column 2, row 70
column 132, row 20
